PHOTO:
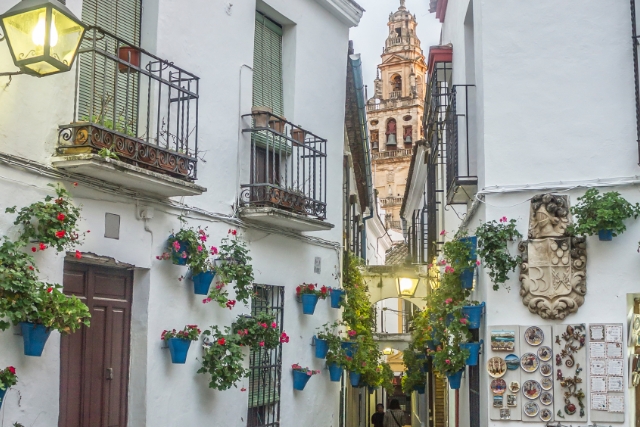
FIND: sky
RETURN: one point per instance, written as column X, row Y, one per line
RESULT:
column 369, row 37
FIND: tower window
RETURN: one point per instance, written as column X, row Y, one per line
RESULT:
column 396, row 83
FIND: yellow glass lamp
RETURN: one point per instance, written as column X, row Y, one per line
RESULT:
column 407, row 286
column 43, row 36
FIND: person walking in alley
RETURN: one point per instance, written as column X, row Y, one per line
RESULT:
column 377, row 419
column 394, row 416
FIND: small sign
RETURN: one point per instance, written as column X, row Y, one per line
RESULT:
column 317, row 265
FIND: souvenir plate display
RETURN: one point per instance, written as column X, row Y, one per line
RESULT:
column 546, row 383
column 514, row 386
column 531, row 389
column 546, row 398
column 503, row 340
column 513, row 361
column 505, row 414
column 531, row 409
column 498, row 386
column 544, row 353
column 545, row 414
column 534, row 336
column 497, row 367
column 529, row 362
column 546, row 369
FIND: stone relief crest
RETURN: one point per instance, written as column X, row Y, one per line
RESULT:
column 553, row 270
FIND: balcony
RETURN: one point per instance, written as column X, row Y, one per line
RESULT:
column 391, row 201
column 288, row 175
column 392, row 154
column 462, row 180
column 395, row 94
column 392, row 103
column 135, row 120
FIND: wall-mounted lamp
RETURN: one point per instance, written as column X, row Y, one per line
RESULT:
column 407, row 286
column 387, row 351
column 43, row 36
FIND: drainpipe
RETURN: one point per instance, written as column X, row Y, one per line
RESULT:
column 634, row 37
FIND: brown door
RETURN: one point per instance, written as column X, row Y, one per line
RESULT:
column 94, row 362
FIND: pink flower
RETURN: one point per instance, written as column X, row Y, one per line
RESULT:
column 176, row 245
column 448, row 301
column 309, row 373
column 443, row 262
column 284, row 338
column 274, row 325
column 78, row 255
column 214, row 250
column 261, row 343
column 463, row 321
column 449, row 269
column 443, row 232
column 264, row 325
column 184, row 254
column 448, row 362
column 478, row 262
column 203, row 237
column 199, row 248
column 243, row 389
column 504, row 219
column 352, row 333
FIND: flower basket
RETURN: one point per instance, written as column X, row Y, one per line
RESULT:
column 472, row 243
column 349, row 347
column 179, row 347
column 176, row 255
column 466, row 278
column 202, row 282
column 322, row 347
column 335, row 372
column 605, row 235
column 337, row 296
column 300, row 380
column 309, row 302
column 454, row 379
column 474, row 352
column 419, row 388
column 35, row 336
column 354, row 378
column 473, row 314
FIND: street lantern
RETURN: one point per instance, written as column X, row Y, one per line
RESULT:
column 43, row 36
column 407, row 286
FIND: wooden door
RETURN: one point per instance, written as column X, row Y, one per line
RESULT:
column 94, row 362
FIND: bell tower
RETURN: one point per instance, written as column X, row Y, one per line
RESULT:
column 395, row 111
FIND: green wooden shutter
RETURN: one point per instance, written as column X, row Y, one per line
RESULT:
column 267, row 65
column 115, row 95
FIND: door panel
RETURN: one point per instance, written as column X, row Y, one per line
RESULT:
column 95, row 360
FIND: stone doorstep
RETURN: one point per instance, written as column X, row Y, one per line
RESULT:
column 126, row 175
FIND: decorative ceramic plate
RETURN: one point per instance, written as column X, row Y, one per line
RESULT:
column 545, row 414
column 498, row 386
column 513, row 362
column 531, row 409
column 546, row 383
column 497, row 367
column 529, row 362
column 544, row 353
column 514, row 386
column 534, row 336
column 546, row 369
column 546, row 398
column 531, row 389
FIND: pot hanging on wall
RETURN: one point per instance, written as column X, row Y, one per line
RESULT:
column 335, row 372
column 300, row 380
column 202, row 282
column 322, row 347
column 35, row 336
column 474, row 352
column 179, row 347
column 454, row 379
column 473, row 314
column 337, row 296
column 309, row 302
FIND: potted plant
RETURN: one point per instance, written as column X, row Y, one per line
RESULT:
column 450, row 361
column 261, row 116
column 474, row 351
column 180, row 341
column 298, row 134
column 277, row 124
column 602, row 214
column 258, row 331
column 492, row 247
column 131, row 56
column 50, row 223
column 326, row 338
column 233, row 266
column 413, row 380
column 336, row 360
column 222, row 359
column 8, row 379
column 309, row 295
column 301, row 376
column 472, row 311
column 460, row 254
column 337, row 297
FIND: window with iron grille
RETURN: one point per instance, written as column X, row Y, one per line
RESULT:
column 265, row 366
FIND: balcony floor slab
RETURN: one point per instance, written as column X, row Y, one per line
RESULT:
column 283, row 219
column 126, row 175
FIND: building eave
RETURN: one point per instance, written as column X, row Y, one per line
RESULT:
column 347, row 11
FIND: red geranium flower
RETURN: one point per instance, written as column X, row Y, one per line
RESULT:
column 221, row 341
column 43, row 246
column 60, row 234
column 12, row 370
column 311, row 287
column 78, row 254
column 49, row 289
column 61, row 217
column 33, row 249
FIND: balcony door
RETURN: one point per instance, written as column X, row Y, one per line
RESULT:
column 94, row 362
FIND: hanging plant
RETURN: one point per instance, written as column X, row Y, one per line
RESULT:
column 492, row 247
column 259, row 331
column 51, row 223
column 223, row 359
column 8, row 378
column 234, row 266
column 602, row 214
column 180, row 341
column 188, row 247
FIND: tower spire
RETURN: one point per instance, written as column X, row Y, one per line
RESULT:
column 402, row 5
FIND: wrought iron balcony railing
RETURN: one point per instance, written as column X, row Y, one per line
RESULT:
column 288, row 167
column 391, row 201
column 461, row 176
column 133, row 106
column 390, row 154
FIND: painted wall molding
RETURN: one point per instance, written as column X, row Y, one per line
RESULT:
column 346, row 11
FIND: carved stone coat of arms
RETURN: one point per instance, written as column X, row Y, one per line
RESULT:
column 553, row 270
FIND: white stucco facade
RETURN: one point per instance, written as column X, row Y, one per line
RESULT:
column 548, row 76
column 214, row 40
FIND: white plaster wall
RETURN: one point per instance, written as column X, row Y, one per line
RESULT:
column 218, row 47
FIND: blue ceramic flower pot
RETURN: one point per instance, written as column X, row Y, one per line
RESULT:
column 472, row 243
column 454, row 379
column 2, row 393
column 605, row 235
column 35, row 337
column 348, row 347
column 473, row 314
column 354, row 378
column 474, row 352
column 431, row 345
column 322, row 347
column 372, row 390
column 179, row 347
column 300, row 380
column 419, row 388
column 309, row 302
column 202, row 282
column 449, row 318
column 467, row 278
column 337, row 295
column 424, row 367
column 335, row 372
column 177, row 255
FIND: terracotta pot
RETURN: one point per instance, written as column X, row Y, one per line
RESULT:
column 130, row 55
column 261, row 116
column 298, row 134
column 277, row 125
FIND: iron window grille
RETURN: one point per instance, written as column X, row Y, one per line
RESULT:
column 265, row 366
column 142, row 108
